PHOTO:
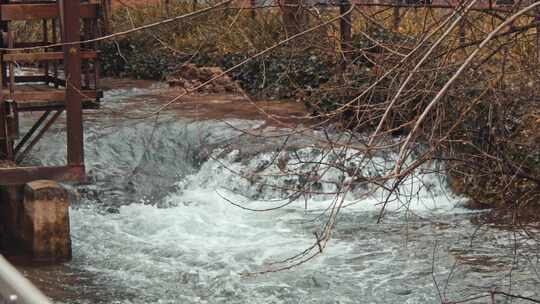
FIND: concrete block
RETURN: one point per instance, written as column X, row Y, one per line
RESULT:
column 43, row 221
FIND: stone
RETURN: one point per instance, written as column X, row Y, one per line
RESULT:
column 43, row 223
column 190, row 76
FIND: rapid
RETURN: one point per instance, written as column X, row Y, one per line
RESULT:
column 159, row 222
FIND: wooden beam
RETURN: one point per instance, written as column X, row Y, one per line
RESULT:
column 23, row 79
column 23, row 44
column 70, row 12
column 26, row 97
column 39, row 107
column 34, row 11
column 23, row 175
column 45, row 56
column 31, row 132
column 295, row 17
column 19, row 157
column 31, row 78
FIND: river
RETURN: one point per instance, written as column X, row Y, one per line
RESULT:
column 157, row 222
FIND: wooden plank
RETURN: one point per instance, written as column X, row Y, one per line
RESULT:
column 6, row 146
column 31, row 132
column 21, row 97
column 33, row 11
column 23, row 44
column 23, row 175
column 23, row 80
column 31, row 78
column 45, row 56
column 54, row 105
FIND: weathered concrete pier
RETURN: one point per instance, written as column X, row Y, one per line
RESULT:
column 34, row 219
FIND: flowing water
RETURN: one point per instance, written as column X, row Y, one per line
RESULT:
column 157, row 224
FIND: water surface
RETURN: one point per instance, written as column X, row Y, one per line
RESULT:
column 155, row 223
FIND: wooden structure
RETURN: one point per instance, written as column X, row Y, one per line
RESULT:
column 65, row 77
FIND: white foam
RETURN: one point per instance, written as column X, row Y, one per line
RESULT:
column 424, row 192
column 197, row 249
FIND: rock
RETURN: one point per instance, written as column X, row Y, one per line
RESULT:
column 113, row 210
column 401, row 291
column 190, row 76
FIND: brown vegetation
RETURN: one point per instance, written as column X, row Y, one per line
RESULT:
column 459, row 86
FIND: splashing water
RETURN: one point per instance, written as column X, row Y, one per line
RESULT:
column 156, row 225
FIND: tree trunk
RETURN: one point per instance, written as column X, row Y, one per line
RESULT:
column 295, row 17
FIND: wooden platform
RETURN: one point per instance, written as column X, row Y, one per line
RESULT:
column 36, row 11
column 44, row 56
column 41, row 97
column 62, row 23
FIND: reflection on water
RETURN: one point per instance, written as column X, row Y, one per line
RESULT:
column 152, row 226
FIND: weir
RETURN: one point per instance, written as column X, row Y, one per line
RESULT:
column 33, row 207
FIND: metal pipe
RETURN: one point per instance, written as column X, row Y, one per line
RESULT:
column 16, row 289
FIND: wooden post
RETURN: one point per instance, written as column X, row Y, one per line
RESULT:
column 3, row 121
column 10, row 64
column 106, row 9
column 345, row 25
column 167, row 7
column 55, row 63
column 45, row 42
column 85, row 64
column 70, row 13
column 253, row 6
column 8, row 141
column 462, row 34
column 396, row 17
column 4, row 141
column 94, row 34
column 537, row 19
column 4, row 129
column 294, row 17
